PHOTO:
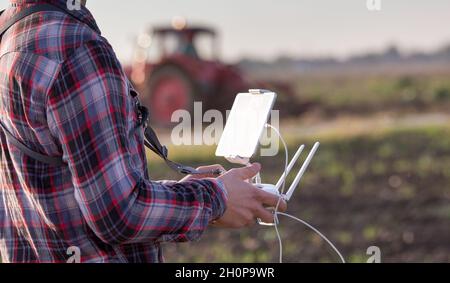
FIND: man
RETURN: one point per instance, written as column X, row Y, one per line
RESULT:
column 64, row 93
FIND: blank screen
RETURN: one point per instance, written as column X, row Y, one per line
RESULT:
column 245, row 125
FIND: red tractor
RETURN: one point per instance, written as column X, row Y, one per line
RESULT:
column 185, row 68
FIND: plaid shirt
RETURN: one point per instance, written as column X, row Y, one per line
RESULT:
column 64, row 93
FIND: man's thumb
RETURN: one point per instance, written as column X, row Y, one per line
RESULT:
column 249, row 171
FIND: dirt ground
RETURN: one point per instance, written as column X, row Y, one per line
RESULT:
column 386, row 185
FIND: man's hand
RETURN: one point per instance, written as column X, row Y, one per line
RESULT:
column 245, row 202
column 209, row 168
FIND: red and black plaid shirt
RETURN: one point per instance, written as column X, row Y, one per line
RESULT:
column 64, row 93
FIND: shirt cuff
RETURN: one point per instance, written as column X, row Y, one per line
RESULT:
column 219, row 199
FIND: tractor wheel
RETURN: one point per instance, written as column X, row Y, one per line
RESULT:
column 170, row 89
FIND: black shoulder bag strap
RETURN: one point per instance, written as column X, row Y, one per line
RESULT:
column 152, row 142
column 26, row 12
column 55, row 161
column 151, row 139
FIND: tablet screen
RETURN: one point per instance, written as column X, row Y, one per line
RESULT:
column 245, row 125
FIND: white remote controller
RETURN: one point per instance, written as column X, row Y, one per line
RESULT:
column 269, row 188
column 275, row 189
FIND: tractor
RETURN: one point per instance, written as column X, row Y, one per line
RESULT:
column 174, row 66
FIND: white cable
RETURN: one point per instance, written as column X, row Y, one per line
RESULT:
column 283, row 187
column 276, row 212
column 317, row 231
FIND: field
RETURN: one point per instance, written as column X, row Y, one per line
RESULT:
column 381, row 177
column 362, row 94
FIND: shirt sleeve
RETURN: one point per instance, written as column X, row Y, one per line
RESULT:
column 90, row 114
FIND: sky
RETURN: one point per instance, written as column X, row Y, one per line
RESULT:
column 266, row 29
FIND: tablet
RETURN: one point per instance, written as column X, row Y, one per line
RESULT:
column 245, row 125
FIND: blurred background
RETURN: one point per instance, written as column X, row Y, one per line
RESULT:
column 372, row 86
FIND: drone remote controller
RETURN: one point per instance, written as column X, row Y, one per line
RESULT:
column 248, row 118
column 269, row 188
column 275, row 189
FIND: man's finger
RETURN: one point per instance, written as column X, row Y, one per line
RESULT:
column 210, row 172
column 272, row 200
column 248, row 172
column 211, row 168
column 265, row 215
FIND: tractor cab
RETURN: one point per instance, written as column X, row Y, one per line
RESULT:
column 198, row 43
column 195, row 48
column 173, row 66
column 178, row 39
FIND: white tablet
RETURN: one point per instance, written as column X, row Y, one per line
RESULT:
column 245, row 125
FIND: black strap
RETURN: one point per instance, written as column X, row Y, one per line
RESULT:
column 27, row 12
column 152, row 142
column 35, row 9
column 151, row 139
column 54, row 161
